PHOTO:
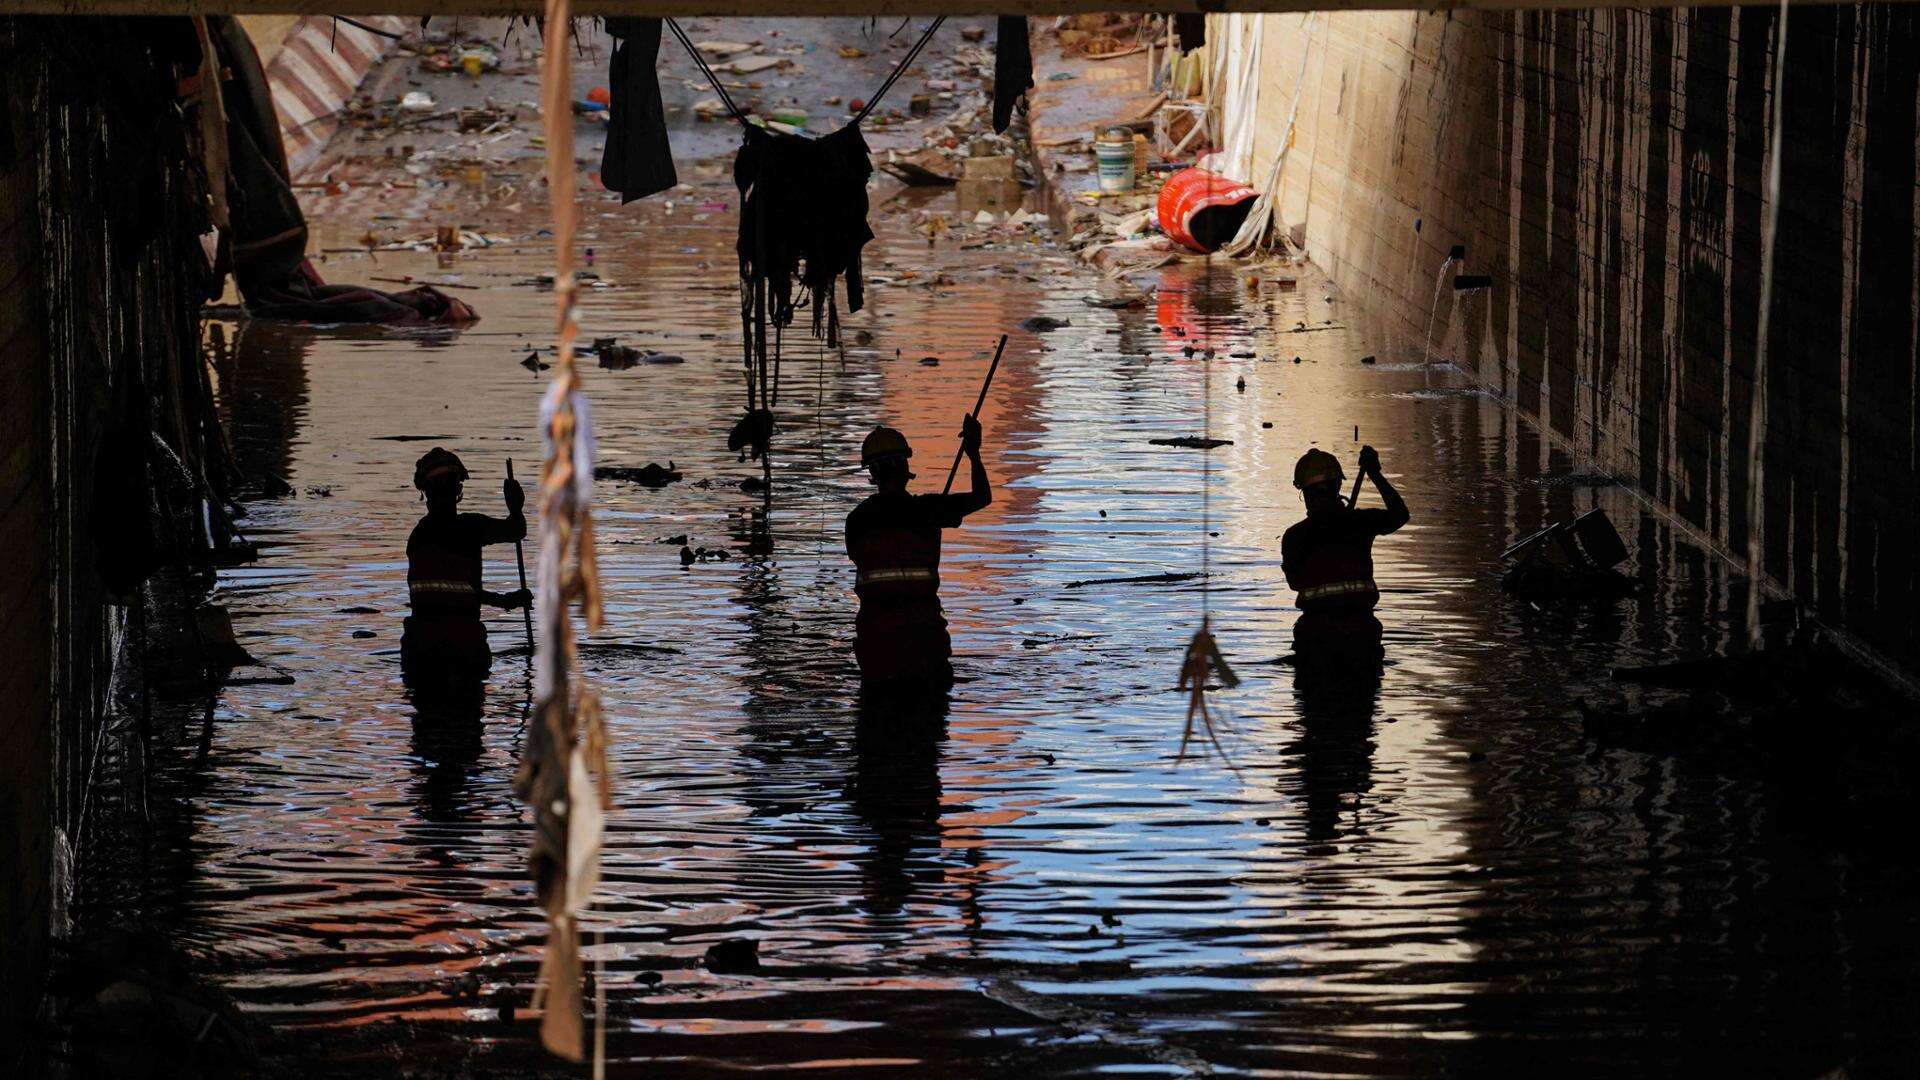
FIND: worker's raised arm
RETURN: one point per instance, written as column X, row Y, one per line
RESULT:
column 1395, row 513
column 982, row 493
column 514, row 526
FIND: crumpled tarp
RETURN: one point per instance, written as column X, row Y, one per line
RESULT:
column 267, row 234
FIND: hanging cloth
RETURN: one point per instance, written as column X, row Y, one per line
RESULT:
column 803, row 214
column 638, row 161
column 1012, row 67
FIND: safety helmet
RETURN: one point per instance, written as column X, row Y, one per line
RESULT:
column 884, row 442
column 438, row 465
column 1317, row 467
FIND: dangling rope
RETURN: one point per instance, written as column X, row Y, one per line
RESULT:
column 563, row 772
column 1203, row 658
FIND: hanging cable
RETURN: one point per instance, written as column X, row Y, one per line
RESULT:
column 700, row 62
column 358, row 25
column 899, row 70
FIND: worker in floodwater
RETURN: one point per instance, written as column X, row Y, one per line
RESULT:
column 443, row 647
column 893, row 538
column 1328, row 559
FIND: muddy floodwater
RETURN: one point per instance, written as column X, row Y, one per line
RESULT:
column 1444, row 876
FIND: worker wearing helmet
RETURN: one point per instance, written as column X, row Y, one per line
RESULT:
column 893, row 538
column 443, row 646
column 1328, row 559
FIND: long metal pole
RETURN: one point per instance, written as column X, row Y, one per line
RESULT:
column 979, row 404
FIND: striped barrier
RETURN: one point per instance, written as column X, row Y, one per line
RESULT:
column 316, row 72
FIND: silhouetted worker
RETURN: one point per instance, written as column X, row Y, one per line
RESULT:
column 1328, row 559
column 444, row 644
column 893, row 538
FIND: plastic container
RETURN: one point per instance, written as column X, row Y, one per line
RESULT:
column 1202, row 210
column 1115, row 158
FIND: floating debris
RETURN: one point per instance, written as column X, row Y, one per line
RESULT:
column 738, row 957
column 1191, row 442
column 615, row 356
column 1143, row 579
column 651, row 475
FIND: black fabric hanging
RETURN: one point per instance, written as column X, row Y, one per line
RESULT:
column 803, row 214
column 1012, row 68
column 1191, row 30
column 638, row 161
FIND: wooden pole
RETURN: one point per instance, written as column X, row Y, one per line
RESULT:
column 979, row 404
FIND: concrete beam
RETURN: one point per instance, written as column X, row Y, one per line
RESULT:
column 801, row 7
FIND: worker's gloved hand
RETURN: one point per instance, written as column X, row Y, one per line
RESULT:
column 970, row 435
column 1369, row 461
column 516, row 498
column 517, row 599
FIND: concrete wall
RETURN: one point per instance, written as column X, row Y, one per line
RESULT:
column 102, row 205
column 1608, row 169
column 25, row 611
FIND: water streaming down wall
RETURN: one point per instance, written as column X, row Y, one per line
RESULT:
column 102, row 203
column 1607, row 169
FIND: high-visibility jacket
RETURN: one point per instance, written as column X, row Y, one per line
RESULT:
column 894, row 542
column 443, row 561
column 1328, row 559
column 443, row 575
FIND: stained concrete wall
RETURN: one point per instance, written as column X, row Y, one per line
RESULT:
column 25, row 608
column 1608, row 169
column 102, row 205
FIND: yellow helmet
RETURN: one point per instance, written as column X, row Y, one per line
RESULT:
column 884, row 442
column 1317, row 467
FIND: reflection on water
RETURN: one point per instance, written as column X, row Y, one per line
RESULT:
column 1434, row 873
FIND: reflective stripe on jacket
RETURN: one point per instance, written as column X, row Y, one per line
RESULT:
column 897, row 565
column 1336, row 588
column 902, row 574
column 1337, row 576
column 443, row 579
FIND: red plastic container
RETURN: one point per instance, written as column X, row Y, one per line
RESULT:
column 1202, row 210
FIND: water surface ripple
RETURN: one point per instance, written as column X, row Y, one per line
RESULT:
column 1446, row 878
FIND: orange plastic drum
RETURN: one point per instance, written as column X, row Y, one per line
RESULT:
column 1202, row 210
